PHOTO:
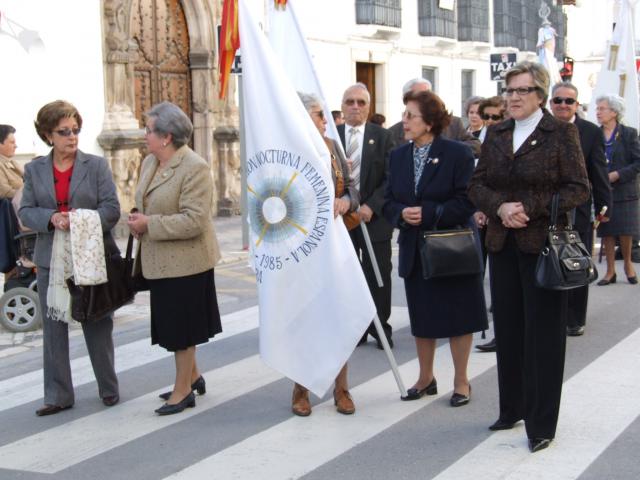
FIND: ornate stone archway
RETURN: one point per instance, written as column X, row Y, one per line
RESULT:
column 122, row 138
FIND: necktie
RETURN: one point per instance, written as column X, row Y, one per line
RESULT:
column 352, row 153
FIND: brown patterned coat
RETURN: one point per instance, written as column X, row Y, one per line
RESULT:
column 549, row 161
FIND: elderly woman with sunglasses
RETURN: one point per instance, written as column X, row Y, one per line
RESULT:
column 63, row 180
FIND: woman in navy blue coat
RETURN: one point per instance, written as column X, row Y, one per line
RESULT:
column 428, row 179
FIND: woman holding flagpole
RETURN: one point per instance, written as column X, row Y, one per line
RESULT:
column 346, row 201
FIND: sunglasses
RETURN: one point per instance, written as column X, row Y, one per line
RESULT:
column 559, row 100
column 351, row 101
column 495, row 118
column 66, row 132
column 409, row 115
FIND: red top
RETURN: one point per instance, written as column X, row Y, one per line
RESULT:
column 61, row 182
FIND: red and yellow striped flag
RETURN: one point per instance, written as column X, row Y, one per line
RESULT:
column 281, row 4
column 229, row 42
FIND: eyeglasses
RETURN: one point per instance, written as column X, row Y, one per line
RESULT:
column 495, row 118
column 521, row 91
column 409, row 115
column 359, row 101
column 319, row 113
column 566, row 100
column 66, row 132
column 148, row 130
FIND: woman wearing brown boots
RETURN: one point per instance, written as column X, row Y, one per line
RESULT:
column 346, row 200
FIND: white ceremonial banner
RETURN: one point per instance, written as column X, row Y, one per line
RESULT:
column 618, row 74
column 314, row 300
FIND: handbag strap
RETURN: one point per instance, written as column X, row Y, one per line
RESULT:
column 129, row 247
column 555, row 206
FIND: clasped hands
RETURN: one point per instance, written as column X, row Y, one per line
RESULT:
column 60, row 220
column 513, row 215
column 412, row 215
column 138, row 224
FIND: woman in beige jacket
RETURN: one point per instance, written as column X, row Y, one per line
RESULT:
column 10, row 172
column 178, row 248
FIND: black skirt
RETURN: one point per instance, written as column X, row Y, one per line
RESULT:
column 184, row 311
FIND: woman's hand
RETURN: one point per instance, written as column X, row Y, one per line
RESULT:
column 60, row 220
column 614, row 177
column 513, row 215
column 340, row 206
column 412, row 215
column 480, row 219
column 138, row 224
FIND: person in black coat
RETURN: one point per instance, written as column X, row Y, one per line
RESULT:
column 367, row 147
column 564, row 105
column 622, row 150
column 427, row 188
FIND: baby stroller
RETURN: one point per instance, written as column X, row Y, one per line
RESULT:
column 19, row 305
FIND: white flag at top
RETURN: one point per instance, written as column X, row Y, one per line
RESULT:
column 314, row 300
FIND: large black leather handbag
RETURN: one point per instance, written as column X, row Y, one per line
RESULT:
column 564, row 262
column 449, row 253
column 92, row 303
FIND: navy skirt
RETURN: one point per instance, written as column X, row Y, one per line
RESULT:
column 625, row 220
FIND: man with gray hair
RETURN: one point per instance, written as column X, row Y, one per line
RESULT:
column 455, row 130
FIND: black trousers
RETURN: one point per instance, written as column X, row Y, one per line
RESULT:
column 578, row 298
column 530, row 328
column 381, row 295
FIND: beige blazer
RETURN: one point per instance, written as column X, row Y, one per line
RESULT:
column 180, row 240
column 10, row 177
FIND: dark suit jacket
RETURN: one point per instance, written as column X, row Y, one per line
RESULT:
column 592, row 143
column 377, row 145
column 626, row 161
column 443, row 182
column 91, row 187
column 455, row 131
column 549, row 161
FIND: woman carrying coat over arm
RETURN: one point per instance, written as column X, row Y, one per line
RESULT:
column 427, row 185
column 524, row 161
column 63, row 180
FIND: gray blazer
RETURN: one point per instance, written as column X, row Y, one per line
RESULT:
column 91, row 187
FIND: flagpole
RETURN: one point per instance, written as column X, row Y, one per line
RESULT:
column 243, row 170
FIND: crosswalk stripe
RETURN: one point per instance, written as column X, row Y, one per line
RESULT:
column 284, row 450
column 44, row 453
column 28, row 387
column 589, row 422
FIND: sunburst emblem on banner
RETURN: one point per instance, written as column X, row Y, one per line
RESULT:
column 279, row 209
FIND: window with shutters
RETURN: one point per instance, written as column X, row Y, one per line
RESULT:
column 434, row 21
column 431, row 74
column 379, row 12
column 473, row 20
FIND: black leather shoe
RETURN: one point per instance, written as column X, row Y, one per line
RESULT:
column 604, row 281
column 379, row 343
column 167, row 409
column 633, row 280
column 111, row 401
column 51, row 410
column 458, row 399
column 490, row 346
column 198, row 386
column 575, row 331
column 537, row 444
column 501, row 424
column 363, row 340
column 415, row 394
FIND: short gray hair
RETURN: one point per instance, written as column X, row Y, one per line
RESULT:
column 615, row 102
column 564, row 85
column 416, row 81
column 474, row 100
column 170, row 119
column 309, row 100
column 361, row 86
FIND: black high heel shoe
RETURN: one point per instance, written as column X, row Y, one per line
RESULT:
column 415, row 394
column 459, row 399
column 198, row 386
column 632, row 280
column 187, row 402
column 604, row 281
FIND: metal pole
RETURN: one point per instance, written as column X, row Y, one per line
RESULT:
column 243, row 171
column 374, row 261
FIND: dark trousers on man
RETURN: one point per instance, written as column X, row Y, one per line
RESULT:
column 381, row 295
column 578, row 298
column 530, row 329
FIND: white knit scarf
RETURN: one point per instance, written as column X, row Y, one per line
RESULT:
column 77, row 253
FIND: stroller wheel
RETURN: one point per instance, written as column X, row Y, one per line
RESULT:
column 20, row 310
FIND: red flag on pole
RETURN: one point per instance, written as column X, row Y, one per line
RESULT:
column 229, row 42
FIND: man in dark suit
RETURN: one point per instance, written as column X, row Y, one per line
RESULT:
column 455, row 130
column 564, row 105
column 367, row 147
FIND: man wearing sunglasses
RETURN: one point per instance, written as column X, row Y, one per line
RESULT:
column 367, row 147
column 564, row 105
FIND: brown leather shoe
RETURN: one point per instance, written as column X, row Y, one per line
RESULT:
column 343, row 401
column 51, row 410
column 300, row 401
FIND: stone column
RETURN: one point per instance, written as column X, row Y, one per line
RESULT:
column 228, row 177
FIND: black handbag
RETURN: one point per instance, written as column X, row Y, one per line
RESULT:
column 449, row 253
column 92, row 303
column 564, row 262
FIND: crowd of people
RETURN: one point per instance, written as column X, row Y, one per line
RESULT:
column 495, row 175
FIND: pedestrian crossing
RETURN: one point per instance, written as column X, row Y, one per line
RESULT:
column 282, row 446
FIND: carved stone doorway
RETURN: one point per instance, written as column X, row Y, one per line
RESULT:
column 162, row 70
